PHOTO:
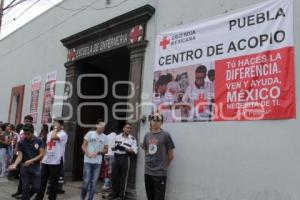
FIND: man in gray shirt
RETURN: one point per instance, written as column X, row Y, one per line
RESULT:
column 158, row 146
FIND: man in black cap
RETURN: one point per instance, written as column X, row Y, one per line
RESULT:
column 30, row 152
column 158, row 146
column 53, row 159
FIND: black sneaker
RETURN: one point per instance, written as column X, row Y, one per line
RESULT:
column 61, row 191
column 16, row 194
column 112, row 197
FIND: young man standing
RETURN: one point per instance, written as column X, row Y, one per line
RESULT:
column 94, row 147
column 51, row 163
column 125, row 145
column 28, row 120
column 158, row 146
column 30, row 152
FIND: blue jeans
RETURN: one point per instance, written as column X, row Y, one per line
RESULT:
column 9, row 154
column 109, row 160
column 2, row 161
column 31, row 176
column 90, row 177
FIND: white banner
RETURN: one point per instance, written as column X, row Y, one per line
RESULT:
column 245, row 60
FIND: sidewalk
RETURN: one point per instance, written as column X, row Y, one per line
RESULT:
column 72, row 190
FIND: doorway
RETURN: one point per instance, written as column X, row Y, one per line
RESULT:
column 97, row 96
column 16, row 104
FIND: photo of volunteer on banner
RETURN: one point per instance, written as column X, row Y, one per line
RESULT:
column 185, row 94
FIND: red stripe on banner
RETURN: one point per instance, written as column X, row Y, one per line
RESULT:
column 256, row 86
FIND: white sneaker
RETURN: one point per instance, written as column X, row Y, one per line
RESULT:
column 105, row 187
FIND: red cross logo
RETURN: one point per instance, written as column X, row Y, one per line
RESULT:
column 136, row 34
column 71, row 54
column 200, row 103
column 165, row 42
column 51, row 144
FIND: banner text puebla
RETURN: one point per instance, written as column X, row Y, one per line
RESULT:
column 234, row 67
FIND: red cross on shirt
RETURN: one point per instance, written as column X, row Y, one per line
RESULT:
column 165, row 42
column 200, row 103
column 51, row 144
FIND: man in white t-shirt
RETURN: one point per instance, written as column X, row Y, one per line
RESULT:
column 94, row 146
column 198, row 95
column 51, row 163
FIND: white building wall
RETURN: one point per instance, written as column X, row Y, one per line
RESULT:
column 222, row 160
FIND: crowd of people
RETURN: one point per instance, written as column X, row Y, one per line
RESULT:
column 36, row 159
column 24, row 154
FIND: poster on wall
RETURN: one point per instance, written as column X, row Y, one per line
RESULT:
column 34, row 101
column 238, row 66
column 49, row 94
